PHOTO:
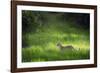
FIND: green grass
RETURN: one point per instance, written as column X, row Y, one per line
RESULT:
column 41, row 46
column 36, row 54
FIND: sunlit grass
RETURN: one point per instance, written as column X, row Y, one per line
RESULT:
column 42, row 45
column 43, row 48
column 35, row 54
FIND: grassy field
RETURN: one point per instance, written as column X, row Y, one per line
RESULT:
column 42, row 45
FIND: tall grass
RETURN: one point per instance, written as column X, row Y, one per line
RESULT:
column 41, row 46
column 37, row 54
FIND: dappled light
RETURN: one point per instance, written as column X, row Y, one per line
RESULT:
column 43, row 30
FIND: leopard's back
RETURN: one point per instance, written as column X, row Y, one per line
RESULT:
column 68, row 47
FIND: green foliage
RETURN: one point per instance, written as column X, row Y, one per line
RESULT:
column 40, row 54
column 44, row 30
column 31, row 21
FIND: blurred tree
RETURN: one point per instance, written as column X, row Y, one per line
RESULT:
column 33, row 20
column 80, row 19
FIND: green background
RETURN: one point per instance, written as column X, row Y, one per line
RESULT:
column 41, row 31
